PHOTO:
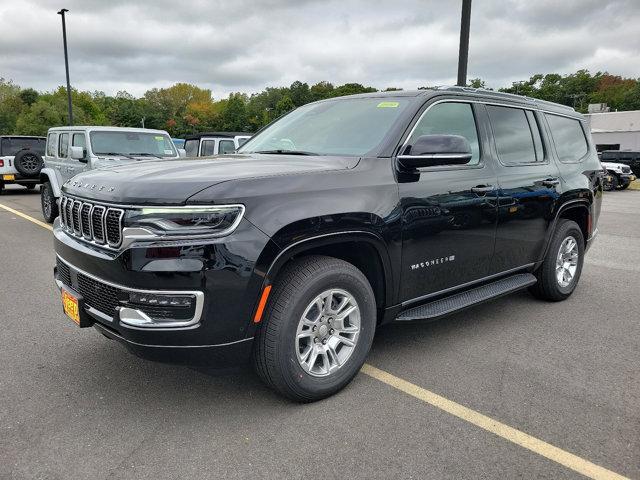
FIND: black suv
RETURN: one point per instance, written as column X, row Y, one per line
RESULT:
column 339, row 217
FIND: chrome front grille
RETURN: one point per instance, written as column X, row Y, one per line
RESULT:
column 99, row 224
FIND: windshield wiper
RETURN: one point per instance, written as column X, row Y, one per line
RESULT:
column 286, row 152
column 116, row 154
column 145, row 154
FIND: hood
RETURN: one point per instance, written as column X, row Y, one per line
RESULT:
column 613, row 165
column 171, row 183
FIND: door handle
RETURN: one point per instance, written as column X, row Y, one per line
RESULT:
column 482, row 189
column 551, row 182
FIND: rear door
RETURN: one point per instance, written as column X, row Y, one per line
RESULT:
column 529, row 185
column 448, row 212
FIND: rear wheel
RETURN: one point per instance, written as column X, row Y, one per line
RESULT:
column 48, row 203
column 317, row 330
column 560, row 271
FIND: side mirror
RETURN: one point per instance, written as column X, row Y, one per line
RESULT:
column 182, row 153
column 78, row 153
column 434, row 150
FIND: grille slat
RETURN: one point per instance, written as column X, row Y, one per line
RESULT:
column 85, row 212
column 97, row 218
column 99, row 224
column 75, row 214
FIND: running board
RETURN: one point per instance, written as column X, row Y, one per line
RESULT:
column 458, row 301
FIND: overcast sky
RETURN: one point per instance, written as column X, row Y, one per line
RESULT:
column 241, row 45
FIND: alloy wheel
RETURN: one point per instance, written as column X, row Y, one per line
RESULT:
column 327, row 332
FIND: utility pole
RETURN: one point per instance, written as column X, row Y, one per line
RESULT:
column 463, row 54
column 66, row 63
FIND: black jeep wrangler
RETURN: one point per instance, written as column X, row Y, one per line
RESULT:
column 341, row 216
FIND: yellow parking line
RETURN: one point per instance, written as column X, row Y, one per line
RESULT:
column 27, row 217
column 522, row 439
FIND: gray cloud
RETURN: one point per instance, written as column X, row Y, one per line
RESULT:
column 246, row 45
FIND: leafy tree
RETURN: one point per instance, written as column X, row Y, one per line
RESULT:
column 29, row 96
column 284, row 106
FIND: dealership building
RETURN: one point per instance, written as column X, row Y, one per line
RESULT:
column 615, row 130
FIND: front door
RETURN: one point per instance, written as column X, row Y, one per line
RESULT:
column 529, row 184
column 448, row 212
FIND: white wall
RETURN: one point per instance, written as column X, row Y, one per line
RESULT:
column 627, row 140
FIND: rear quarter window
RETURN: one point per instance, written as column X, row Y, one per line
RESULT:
column 568, row 138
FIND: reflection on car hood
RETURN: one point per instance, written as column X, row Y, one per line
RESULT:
column 169, row 183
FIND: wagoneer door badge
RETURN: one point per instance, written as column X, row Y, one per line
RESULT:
column 434, row 261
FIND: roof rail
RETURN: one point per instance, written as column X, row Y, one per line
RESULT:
column 493, row 93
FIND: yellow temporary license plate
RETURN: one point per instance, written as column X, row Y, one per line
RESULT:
column 70, row 306
column 8, row 177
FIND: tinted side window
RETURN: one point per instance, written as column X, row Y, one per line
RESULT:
column 208, row 148
column 51, row 144
column 450, row 119
column 191, row 147
column 568, row 137
column 226, row 146
column 512, row 135
column 63, row 148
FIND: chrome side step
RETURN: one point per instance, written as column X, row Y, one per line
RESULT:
column 458, row 301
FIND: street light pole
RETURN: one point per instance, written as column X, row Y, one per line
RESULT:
column 463, row 54
column 66, row 63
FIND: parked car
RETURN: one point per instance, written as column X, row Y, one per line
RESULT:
column 214, row 143
column 344, row 215
column 21, row 160
column 626, row 157
column 71, row 150
column 619, row 175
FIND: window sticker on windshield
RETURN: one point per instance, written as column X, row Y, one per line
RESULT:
column 388, row 104
column 168, row 152
column 160, row 138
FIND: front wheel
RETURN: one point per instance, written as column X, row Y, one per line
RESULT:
column 560, row 271
column 48, row 203
column 317, row 329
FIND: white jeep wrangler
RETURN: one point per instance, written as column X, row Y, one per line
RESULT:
column 20, row 160
column 619, row 176
column 71, row 150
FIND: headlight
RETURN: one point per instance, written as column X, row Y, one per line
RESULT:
column 210, row 221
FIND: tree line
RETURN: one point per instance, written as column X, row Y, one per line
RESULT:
column 183, row 108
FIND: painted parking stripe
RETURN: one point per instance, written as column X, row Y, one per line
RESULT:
column 522, row 439
column 26, row 217
column 500, row 429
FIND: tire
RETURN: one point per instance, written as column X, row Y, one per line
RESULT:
column 48, row 203
column 612, row 185
column 277, row 351
column 549, row 286
column 28, row 163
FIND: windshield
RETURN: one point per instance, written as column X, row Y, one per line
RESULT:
column 9, row 146
column 348, row 126
column 146, row 144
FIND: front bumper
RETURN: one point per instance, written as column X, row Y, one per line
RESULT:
column 221, row 275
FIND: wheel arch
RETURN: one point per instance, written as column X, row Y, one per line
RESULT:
column 49, row 175
column 577, row 210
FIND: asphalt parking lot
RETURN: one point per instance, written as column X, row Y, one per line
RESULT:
column 76, row 405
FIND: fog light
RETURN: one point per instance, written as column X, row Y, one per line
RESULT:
column 142, row 299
